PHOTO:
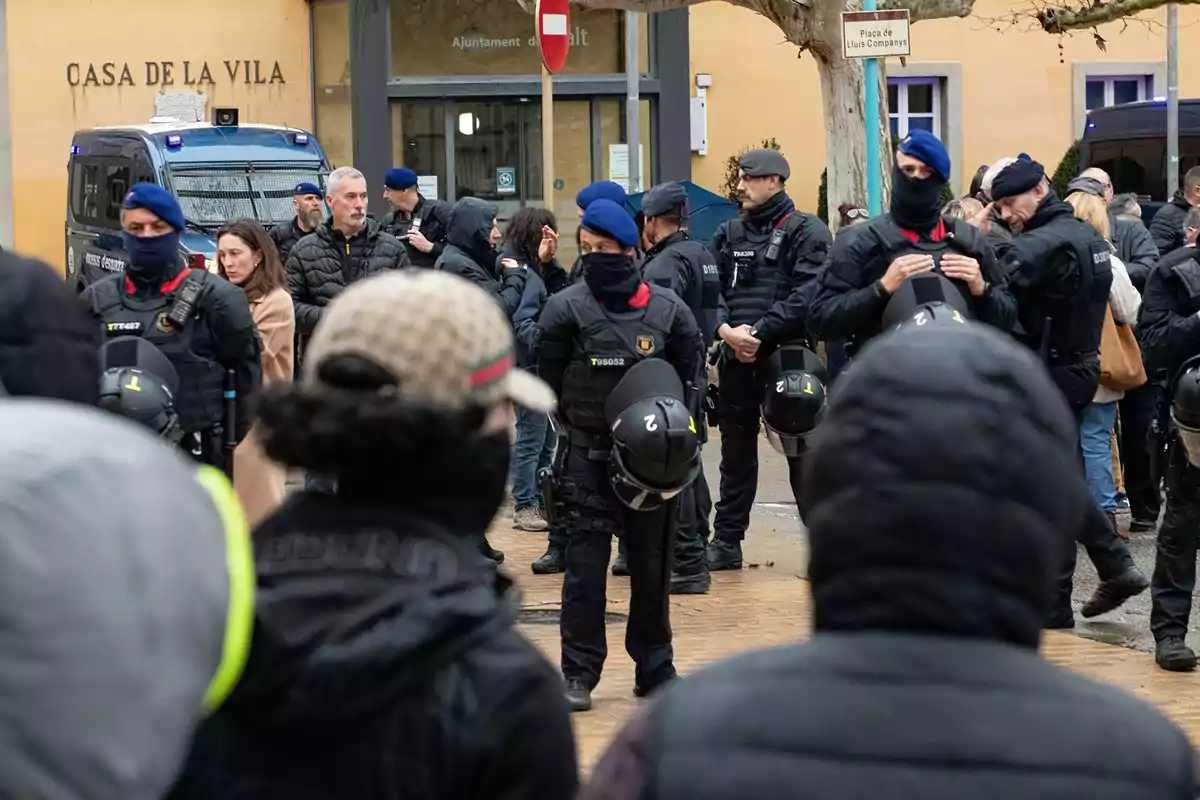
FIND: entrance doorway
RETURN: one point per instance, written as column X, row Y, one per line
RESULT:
column 498, row 153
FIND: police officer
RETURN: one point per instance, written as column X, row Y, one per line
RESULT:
column 1169, row 332
column 201, row 323
column 309, row 204
column 590, row 335
column 596, row 190
column 865, row 270
column 420, row 223
column 1059, row 271
column 768, row 259
column 686, row 267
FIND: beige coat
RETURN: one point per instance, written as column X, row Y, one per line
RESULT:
column 258, row 480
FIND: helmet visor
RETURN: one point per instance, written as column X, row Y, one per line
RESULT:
column 786, row 444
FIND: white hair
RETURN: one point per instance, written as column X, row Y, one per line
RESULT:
column 341, row 174
column 989, row 177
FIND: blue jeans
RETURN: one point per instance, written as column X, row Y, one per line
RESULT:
column 533, row 450
column 1095, row 439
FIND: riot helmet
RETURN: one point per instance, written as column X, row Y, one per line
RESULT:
column 1185, row 409
column 139, row 383
column 655, row 443
column 793, row 398
column 923, row 291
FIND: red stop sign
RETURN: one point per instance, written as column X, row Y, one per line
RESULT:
column 554, row 32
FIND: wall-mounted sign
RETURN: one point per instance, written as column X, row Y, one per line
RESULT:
column 427, row 186
column 875, row 34
column 576, row 37
column 173, row 73
column 506, row 180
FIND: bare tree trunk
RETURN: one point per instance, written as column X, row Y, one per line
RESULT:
column 845, row 133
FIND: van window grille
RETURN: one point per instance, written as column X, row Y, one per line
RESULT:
column 214, row 195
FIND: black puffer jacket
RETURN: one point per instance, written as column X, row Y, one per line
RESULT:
column 942, row 489
column 385, row 666
column 324, row 263
column 286, row 235
column 1166, row 229
column 469, row 253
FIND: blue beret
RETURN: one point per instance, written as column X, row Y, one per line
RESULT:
column 1017, row 178
column 158, row 201
column 600, row 190
column 400, row 178
column 925, row 147
column 606, row 218
column 307, row 188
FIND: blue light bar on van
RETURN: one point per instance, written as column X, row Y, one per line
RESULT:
column 300, row 138
column 76, row 149
column 1160, row 99
column 174, row 140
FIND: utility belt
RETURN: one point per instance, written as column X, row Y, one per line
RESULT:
column 1065, row 358
column 599, row 447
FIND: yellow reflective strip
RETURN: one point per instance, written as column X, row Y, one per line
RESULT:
column 239, row 558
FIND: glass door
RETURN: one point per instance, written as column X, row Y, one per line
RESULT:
column 497, row 153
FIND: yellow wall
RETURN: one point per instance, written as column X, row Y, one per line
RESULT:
column 1016, row 95
column 44, row 38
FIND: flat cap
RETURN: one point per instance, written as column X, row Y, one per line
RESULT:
column 763, row 162
column 665, row 198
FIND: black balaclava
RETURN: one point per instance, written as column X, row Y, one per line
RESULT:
column 916, row 202
column 153, row 260
column 612, row 278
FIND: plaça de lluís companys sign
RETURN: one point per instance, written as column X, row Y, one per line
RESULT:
column 172, row 73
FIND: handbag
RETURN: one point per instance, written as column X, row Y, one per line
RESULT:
column 1121, row 365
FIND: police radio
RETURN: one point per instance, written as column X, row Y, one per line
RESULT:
column 774, row 246
column 185, row 304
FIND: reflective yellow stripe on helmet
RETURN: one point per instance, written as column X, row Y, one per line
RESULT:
column 239, row 559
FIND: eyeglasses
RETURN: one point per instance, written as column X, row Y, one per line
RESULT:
column 856, row 213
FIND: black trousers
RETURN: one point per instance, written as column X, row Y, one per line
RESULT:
column 1109, row 555
column 594, row 516
column 691, row 531
column 1137, row 409
column 1175, row 554
column 740, row 401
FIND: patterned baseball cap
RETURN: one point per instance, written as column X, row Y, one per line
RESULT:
column 446, row 340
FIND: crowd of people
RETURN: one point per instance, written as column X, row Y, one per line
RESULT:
column 356, row 639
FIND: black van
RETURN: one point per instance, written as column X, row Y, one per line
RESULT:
column 218, row 173
column 1129, row 142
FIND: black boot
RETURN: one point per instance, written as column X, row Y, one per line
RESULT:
column 1174, row 655
column 723, row 555
column 491, row 552
column 1142, row 525
column 579, row 697
column 1115, row 591
column 552, row 562
column 693, row 583
column 1061, row 620
column 620, row 567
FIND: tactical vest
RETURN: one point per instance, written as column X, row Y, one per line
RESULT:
column 201, row 378
column 702, row 295
column 893, row 244
column 1076, row 322
column 607, row 345
column 761, row 267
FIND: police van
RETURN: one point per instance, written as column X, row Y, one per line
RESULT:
column 219, row 173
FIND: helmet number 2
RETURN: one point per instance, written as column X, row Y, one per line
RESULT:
column 651, row 424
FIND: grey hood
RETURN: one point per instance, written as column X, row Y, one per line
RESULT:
column 114, row 597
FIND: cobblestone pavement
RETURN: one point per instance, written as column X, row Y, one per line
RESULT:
column 769, row 604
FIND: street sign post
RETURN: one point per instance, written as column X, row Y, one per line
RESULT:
column 871, row 34
column 553, row 34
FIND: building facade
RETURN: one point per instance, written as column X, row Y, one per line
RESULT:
column 452, row 89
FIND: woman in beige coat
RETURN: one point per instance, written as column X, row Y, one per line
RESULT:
column 248, row 259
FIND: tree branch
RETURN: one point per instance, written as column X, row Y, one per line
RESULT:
column 1066, row 18
column 933, row 9
column 645, row 6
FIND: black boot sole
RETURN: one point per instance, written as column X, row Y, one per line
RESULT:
column 1176, row 664
column 690, row 584
column 1121, row 594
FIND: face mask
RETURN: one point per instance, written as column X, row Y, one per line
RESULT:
column 610, row 273
column 153, row 256
column 916, row 203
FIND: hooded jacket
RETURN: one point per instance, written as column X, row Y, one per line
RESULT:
column 469, row 253
column 1166, row 228
column 541, row 281
column 384, row 666
column 113, row 603
column 942, row 488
